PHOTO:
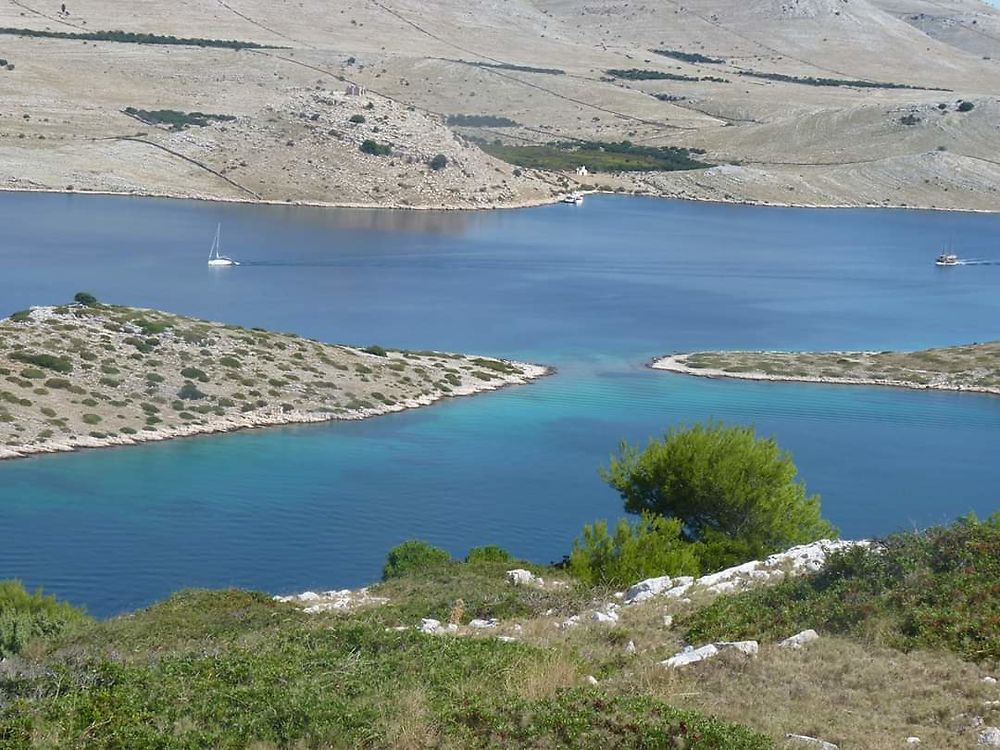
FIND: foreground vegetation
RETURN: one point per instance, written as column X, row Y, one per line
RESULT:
column 974, row 367
column 233, row 669
column 597, row 157
column 934, row 590
column 88, row 374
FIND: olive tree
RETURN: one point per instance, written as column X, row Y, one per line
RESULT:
column 734, row 492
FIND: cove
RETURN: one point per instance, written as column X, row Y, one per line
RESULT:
column 594, row 290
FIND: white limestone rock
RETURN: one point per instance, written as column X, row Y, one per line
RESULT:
column 691, row 656
column 989, row 737
column 429, row 625
column 799, row 639
column 913, row 741
column 591, row 680
column 802, row 739
column 990, row 680
column 521, row 577
column 479, row 624
column 630, row 648
column 647, row 589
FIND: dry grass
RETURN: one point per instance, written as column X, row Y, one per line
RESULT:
column 409, row 723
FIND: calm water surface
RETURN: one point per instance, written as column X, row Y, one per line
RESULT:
column 595, row 290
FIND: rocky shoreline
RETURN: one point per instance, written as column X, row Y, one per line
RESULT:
column 674, row 363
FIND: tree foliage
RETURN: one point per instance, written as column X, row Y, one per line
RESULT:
column 652, row 546
column 731, row 490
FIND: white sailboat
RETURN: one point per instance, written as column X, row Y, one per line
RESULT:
column 214, row 256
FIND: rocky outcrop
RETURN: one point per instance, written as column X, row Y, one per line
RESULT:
column 806, row 558
column 691, row 655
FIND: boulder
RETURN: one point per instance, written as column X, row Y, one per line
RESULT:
column 799, row 639
column 610, row 616
column 591, row 680
column 913, row 741
column 747, row 648
column 429, row 625
column 630, row 648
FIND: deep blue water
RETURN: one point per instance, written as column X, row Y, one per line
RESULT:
column 595, row 290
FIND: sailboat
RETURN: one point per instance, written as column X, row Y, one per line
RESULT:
column 214, row 257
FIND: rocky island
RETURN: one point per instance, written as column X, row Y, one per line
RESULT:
column 88, row 375
column 973, row 367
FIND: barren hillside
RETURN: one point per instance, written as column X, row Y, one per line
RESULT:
column 795, row 101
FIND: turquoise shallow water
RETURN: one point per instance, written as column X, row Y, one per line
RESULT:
column 595, row 290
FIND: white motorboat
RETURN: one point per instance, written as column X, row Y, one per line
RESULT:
column 946, row 259
column 576, row 198
column 215, row 258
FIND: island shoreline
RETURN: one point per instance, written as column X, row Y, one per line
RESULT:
column 531, row 374
column 670, row 363
column 533, row 203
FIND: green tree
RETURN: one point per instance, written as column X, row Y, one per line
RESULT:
column 653, row 546
column 731, row 490
column 85, row 298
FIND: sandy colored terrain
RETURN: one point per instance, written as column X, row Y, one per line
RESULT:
column 85, row 377
column 975, row 367
column 62, row 123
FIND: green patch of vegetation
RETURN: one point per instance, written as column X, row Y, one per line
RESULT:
column 850, row 82
column 129, row 37
column 48, row 361
column 24, row 616
column 691, row 57
column 413, row 556
column 375, row 349
column 175, row 119
column 20, row 316
column 190, row 392
column 512, row 67
column 597, row 157
column 635, row 74
column 375, row 148
column 480, row 121
column 935, row 589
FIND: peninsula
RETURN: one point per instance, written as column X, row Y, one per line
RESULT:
column 973, row 367
column 88, row 375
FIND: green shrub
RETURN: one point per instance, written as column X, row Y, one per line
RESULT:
column 932, row 589
column 965, row 106
column 489, row 553
column 24, row 616
column 375, row 148
column 91, row 418
column 32, row 373
column 20, row 316
column 356, row 119
column 439, row 162
column 194, row 373
column 413, row 556
column 85, row 298
column 652, row 546
column 189, row 392
column 375, row 349
column 58, row 383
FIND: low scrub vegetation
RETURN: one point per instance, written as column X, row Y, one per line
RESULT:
column 929, row 590
column 513, row 67
column 25, row 615
column 375, row 148
column 480, row 121
column 635, row 74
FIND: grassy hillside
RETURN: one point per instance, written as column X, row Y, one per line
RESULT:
column 233, row 669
